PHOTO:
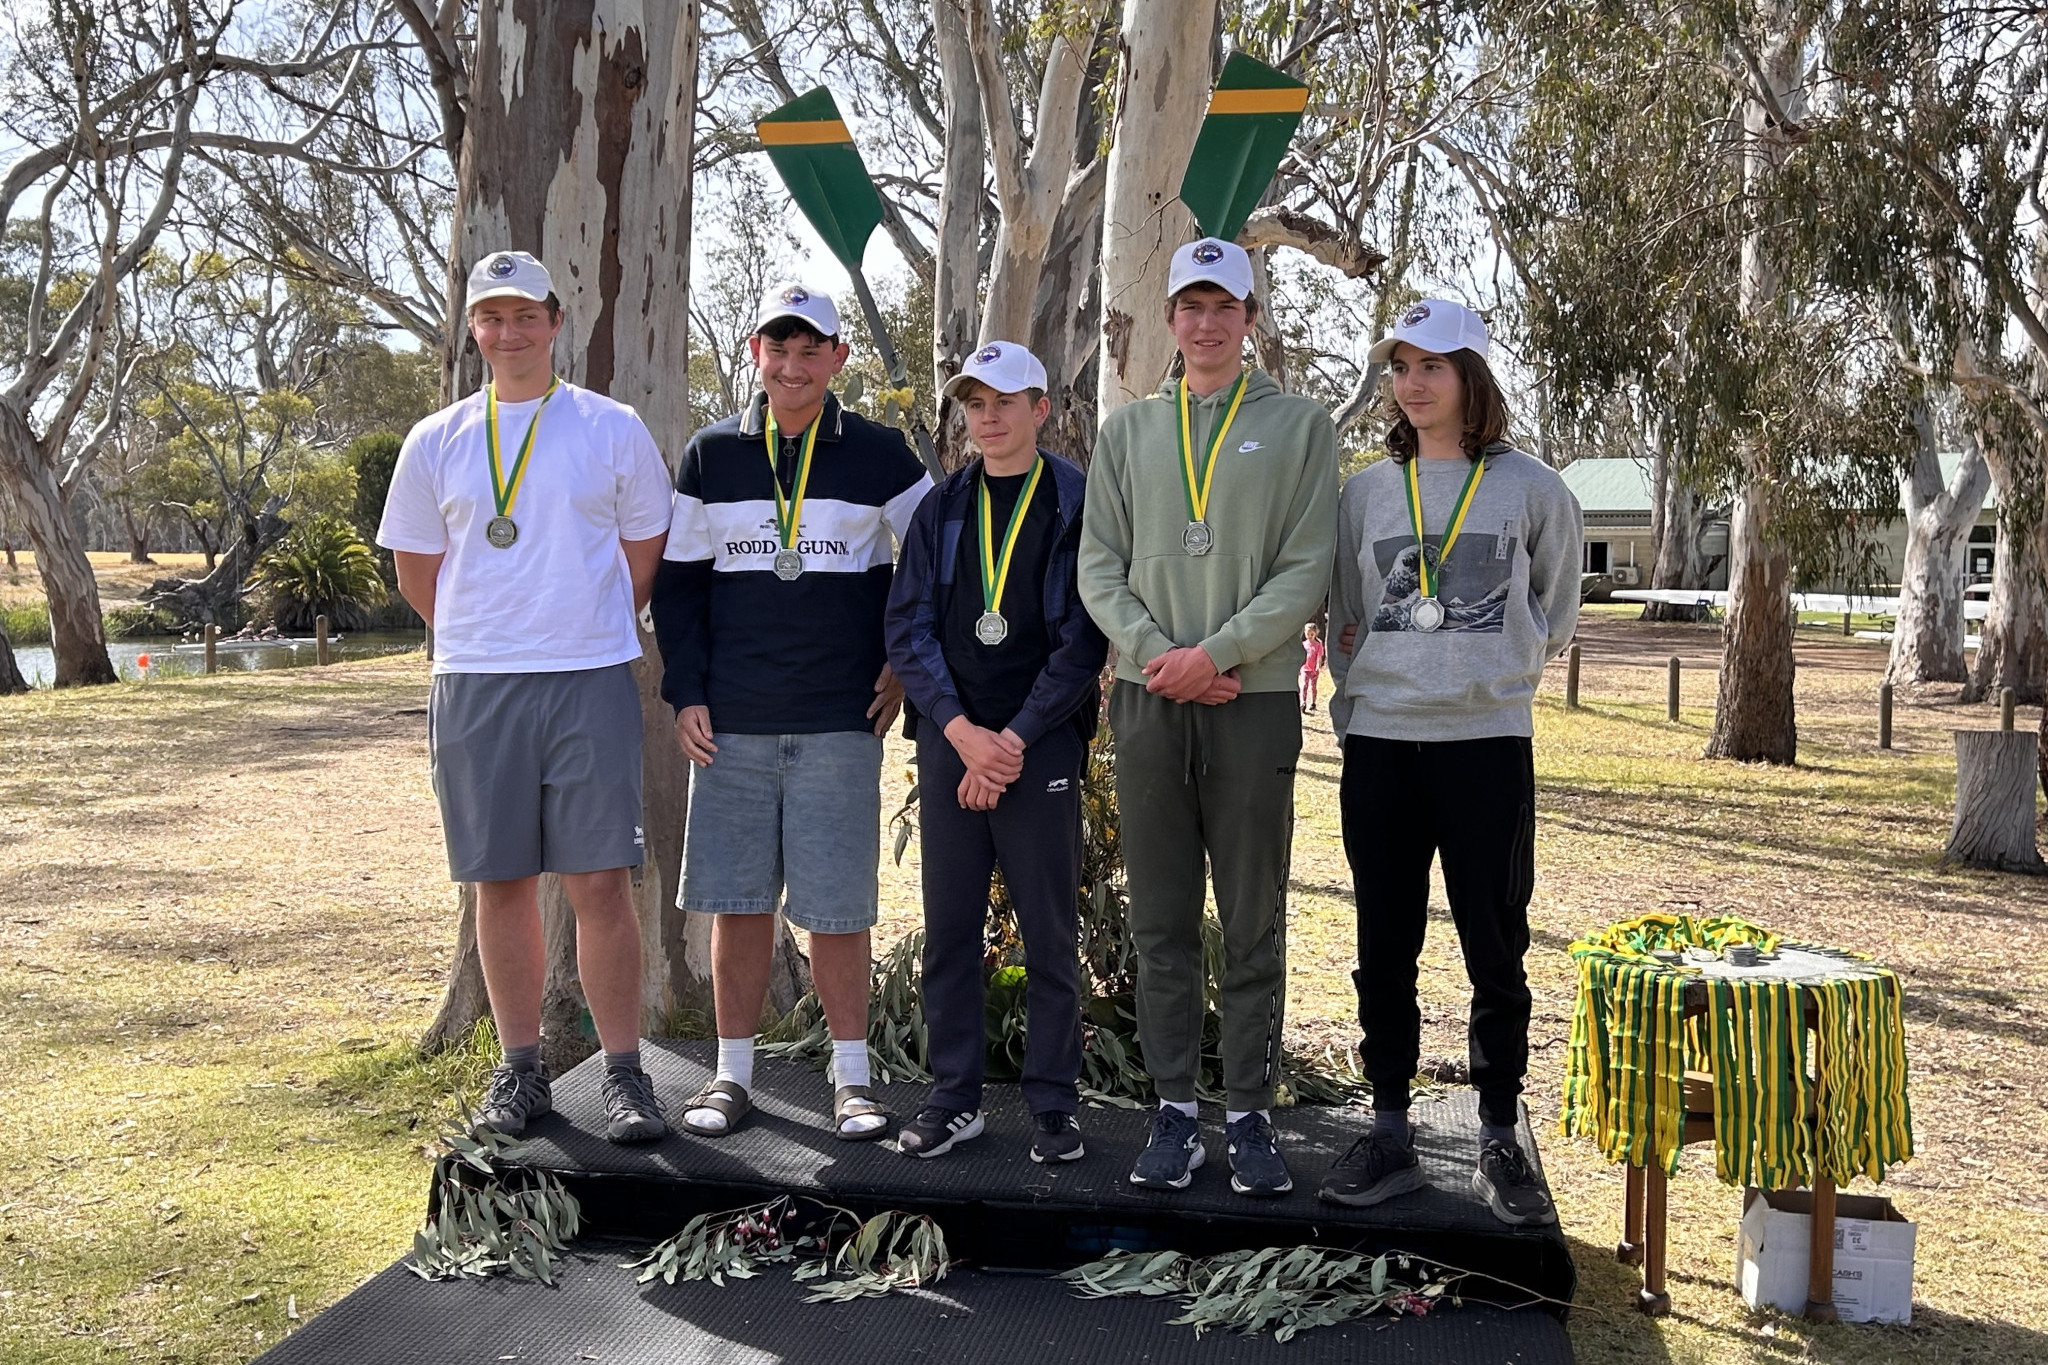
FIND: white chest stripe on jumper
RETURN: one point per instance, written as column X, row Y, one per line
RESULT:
column 833, row 537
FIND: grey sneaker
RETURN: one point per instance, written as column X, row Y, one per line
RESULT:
column 1174, row 1154
column 1256, row 1168
column 1509, row 1187
column 513, row 1099
column 632, row 1114
column 1378, row 1167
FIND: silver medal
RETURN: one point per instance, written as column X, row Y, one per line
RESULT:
column 788, row 564
column 991, row 629
column 501, row 532
column 1427, row 614
column 1198, row 539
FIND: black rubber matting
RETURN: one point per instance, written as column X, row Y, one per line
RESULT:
column 1001, row 1210
column 598, row 1314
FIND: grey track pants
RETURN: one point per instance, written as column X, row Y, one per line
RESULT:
column 1208, row 784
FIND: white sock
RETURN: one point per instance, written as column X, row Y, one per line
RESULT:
column 1233, row 1115
column 1187, row 1107
column 736, row 1064
column 850, row 1067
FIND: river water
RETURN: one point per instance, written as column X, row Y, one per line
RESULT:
column 169, row 658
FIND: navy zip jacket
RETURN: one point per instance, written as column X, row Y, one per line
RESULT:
column 931, row 553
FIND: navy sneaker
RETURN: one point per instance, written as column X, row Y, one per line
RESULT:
column 937, row 1130
column 1174, row 1154
column 1378, row 1167
column 1255, row 1165
column 1510, row 1187
column 1056, row 1136
column 632, row 1114
column 513, row 1098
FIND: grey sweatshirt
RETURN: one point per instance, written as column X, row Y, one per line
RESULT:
column 1510, row 587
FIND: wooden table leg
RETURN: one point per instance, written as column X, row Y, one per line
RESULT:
column 1629, row 1251
column 1820, row 1254
column 1652, row 1299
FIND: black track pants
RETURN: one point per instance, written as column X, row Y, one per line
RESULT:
column 1034, row 833
column 1473, row 801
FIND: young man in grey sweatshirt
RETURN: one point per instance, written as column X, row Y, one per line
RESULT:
column 1204, row 549
column 1457, row 579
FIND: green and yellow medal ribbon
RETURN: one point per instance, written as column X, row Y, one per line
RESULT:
column 1464, row 505
column 504, row 487
column 995, row 573
column 1197, row 482
column 789, row 508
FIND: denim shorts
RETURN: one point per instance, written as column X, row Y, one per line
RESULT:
column 794, row 814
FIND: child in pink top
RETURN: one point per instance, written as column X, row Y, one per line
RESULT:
column 1312, row 667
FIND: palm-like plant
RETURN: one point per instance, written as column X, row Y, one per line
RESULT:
column 321, row 568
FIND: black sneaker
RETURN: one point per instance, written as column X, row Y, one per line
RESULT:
column 1509, row 1187
column 1056, row 1136
column 632, row 1114
column 1255, row 1165
column 937, row 1130
column 1174, row 1154
column 512, row 1099
column 1378, row 1167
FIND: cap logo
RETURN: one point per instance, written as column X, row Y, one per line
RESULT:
column 1208, row 253
column 988, row 355
column 1415, row 316
column 796, row 296
column 502, row 268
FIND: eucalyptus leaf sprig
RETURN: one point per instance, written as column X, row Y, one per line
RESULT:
column 495, row 1216
column 854, row 1257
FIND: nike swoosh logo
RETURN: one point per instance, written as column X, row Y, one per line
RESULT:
column 1249, row 446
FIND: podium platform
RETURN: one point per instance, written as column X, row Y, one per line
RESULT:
column 1008, row 1222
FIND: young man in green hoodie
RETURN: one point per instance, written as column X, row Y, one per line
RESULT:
column 1210, row 525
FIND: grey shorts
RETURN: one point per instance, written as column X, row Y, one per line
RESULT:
column 537, row 772
column 794, row 813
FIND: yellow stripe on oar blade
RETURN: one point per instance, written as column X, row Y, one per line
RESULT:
column 1269, row 101
column 803, row 134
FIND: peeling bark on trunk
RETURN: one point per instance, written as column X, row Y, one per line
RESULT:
column 579, row 149
column 1162, row 91
column 1754, row 716
column 1927, row 640
column 1996, row 775
column 956, row 278
column 2014, row 648
column 78, row 635
column 1066, row 317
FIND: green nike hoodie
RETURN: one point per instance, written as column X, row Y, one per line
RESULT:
column 1273, row 511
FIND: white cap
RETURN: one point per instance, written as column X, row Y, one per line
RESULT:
column 1435, row 325
column 793, row 300
column 510, row 275
column 1004, row 366
column 1211, row 261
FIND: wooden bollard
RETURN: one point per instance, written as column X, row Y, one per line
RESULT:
column 1884, row 715
column 1671, row 691
column 320, row 651
column 2006, row 698
column 212, row 648
column 1846, row 628
column 1571, row 678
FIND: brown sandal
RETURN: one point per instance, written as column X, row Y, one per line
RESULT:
column 728, row 1098
column 852, row 1102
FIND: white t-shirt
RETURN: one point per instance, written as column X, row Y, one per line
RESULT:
column 560, row 597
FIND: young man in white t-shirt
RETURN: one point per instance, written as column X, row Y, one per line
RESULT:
column 527, row 521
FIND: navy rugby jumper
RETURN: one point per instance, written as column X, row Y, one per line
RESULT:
column 771, row 657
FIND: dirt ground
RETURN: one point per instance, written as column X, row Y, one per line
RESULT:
column 225, row 918
column 120, row 581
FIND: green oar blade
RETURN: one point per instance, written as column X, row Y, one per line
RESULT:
column 1252, row 117
column 814, row 154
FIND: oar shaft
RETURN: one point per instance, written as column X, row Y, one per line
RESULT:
column 893, row 364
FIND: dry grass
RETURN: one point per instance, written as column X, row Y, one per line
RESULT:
column 225, row 916
column 119, row 580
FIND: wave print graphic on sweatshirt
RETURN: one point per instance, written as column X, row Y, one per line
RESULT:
column 1473, row 586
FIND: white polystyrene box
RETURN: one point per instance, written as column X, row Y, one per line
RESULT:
column 1873, row 1256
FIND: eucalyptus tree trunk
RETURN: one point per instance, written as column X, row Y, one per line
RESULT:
column 580, row 151
column 1162, row 91
column 78, row 635
column 11, row 680
column 1753, row 716
column 1676, row 511
column 2013, row 648
column 956, row 275
column 1927, row 639
column 1067, row 315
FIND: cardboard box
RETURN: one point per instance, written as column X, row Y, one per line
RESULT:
column 1873, row 1255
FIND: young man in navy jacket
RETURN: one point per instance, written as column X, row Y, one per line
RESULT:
column 1000, row 664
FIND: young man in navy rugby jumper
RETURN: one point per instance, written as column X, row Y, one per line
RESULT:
column 1000, row 664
